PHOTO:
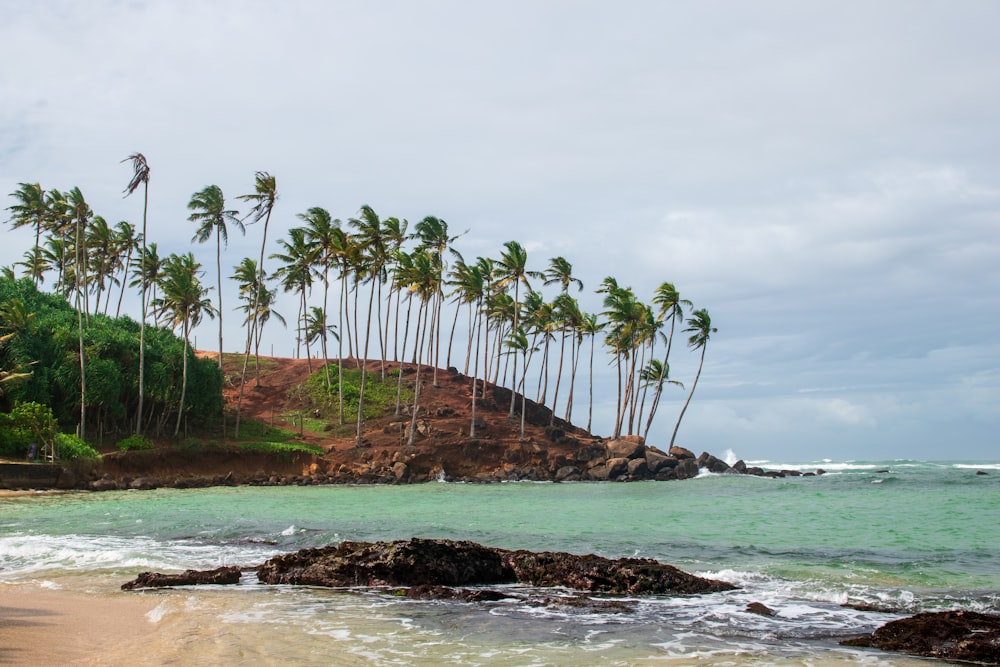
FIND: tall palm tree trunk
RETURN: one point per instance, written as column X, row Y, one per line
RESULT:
column 184, row 376
column 694, row 384
column 218, row 270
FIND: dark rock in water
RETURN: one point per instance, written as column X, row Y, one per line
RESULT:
column 401, row 563
column 423, row 562
column 981, row 472
column 222, row 575
column 947, row 635
column 882, row 471
column 760, row 608
column 632, row 576
column 425, row 592
column 686, row 468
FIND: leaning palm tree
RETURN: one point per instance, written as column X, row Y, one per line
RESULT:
column 370, row 238
column 432, row 233
column 591, row 326
column 263, row 198
column 31, row 210
column 126, row 242
column 671, row 306
column 700, row 326
column 140, row 176
column 183, row 303
column 295, row 275
column 146, row 274
column 209, row 211
column 513, row 268
column 322, row 234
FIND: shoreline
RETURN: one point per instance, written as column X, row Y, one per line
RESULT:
column 45, row 626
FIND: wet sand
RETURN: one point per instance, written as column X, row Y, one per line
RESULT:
column 47, row 627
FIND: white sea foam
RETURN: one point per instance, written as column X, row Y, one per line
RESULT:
column 975, row 466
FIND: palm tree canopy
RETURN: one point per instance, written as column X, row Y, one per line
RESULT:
column 561, row 271
column 700, row 327
column 140, row 172
column 263, row 198
column 208, row 208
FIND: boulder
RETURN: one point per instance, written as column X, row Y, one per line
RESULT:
column 617, row 467
column 145, row 483
column 626, row 447
column 965, row 636
column 680, row 453
column 430, row 563
column 637, row 469
column 656, row 460
column 400, row 470
column 567, row 474
column 686, row 468
column 221, row 575
column 598, row 473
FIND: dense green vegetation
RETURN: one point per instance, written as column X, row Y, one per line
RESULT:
column 44, row 344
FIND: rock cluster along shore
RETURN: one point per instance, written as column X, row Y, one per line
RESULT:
column 962, row 636
column 561, row 459
column 431, row 564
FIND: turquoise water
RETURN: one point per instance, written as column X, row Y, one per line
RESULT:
column 921, row 536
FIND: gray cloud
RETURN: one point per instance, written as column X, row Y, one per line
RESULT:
column 820, row 176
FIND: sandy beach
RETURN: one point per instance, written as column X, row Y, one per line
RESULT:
column 49, row 627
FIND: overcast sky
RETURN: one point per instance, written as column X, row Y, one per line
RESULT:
column 822, row 177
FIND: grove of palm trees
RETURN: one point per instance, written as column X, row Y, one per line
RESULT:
column 395, row 302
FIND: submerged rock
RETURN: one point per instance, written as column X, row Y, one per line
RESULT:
column 424, row 562
column 948, row 635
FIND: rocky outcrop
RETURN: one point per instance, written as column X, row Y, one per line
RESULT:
column 218, row 576
column 965, row 636
column 423, row 562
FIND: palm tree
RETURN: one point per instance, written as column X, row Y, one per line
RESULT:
column 572, row 319
column 209, row 210
column 701, row 329
column 126, row 242
column 147, row 274
column 516, row 342
column 317, row 330
column 35, row 264
column 31, row 210
column 102, row 260
column 140, row 176
column 590, row 326
column 394, row 233
column 373, row 266
column 264, row 196
column 183, row 303
column 77, row 210
column 513, row 271
column 432, row 232
column 671, row 306
column 249, row 280
column 296, row 275
column 425, row 282
column 321, row 234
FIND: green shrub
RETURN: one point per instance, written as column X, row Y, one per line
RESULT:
column 135, row 441
column 72, row 448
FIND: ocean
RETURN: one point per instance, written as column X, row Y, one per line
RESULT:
column 820, row 551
